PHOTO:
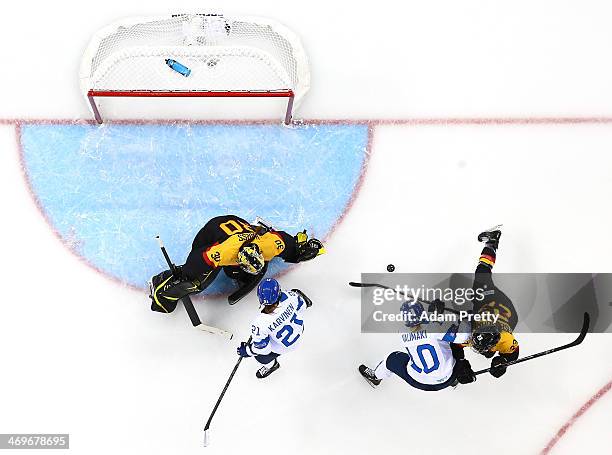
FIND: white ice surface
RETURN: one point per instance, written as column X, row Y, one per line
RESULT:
column 84, row 356
column 437, row 58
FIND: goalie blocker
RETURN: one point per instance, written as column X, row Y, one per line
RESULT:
column 240, row 249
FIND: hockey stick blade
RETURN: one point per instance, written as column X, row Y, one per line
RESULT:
column 583, row 332
column 215, row 331
column 365, row 285
column 188, row 304
column 382, row 286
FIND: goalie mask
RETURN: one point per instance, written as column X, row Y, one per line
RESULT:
column 250, row 259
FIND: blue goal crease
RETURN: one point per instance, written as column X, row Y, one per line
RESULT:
column 108, row 191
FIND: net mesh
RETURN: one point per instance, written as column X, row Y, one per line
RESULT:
column 223, row 53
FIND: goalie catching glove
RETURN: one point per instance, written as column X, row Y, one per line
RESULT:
column 306, row 249
column 166, row 289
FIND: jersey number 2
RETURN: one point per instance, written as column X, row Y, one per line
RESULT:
column 287, row 331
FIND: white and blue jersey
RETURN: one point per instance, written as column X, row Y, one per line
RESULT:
column 431, row 360
column 431, row 357
column 280, row 331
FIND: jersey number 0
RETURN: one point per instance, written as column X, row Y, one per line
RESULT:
column 424, row 367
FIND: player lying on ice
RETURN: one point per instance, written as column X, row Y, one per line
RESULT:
column 241, row 249
column 429, row 364
column 279, row 327
column 490, row 339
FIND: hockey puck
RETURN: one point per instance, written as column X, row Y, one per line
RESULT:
column 390, row 268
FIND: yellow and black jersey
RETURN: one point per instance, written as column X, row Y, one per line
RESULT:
column 507, row 345
column 498, row 304
column 271, row 244
column 506, row 321
column 217, row 244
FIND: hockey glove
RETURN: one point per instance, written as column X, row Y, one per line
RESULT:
column 304, row 297
column 464, row 372
column 306, row 248
column 244, row 350
column 457, row 351
column 497, row 370
column 437, row 306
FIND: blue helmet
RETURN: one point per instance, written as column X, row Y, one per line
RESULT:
column 268, row 291
column 412, row 312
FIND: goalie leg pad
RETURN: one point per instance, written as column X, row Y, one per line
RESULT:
column 165, row 291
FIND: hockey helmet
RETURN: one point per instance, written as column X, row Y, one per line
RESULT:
column 485, row 337
column 269, row 292
column 412, row 312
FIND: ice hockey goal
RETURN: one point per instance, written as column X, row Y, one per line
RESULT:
column 195, row 55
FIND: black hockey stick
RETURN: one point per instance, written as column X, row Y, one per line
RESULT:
column 188, row 304
column 191, row 311
column 576, row 342
column 213, row 412
column 241, row 292
column 382, row 286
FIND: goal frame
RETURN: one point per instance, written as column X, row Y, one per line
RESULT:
column 93, row 94
column 294, row 95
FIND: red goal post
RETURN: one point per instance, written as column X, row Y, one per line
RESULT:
column 238, row 57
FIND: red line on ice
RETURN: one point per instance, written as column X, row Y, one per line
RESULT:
column 584, row 408
column 373, row 122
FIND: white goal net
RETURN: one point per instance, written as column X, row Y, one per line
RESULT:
column 195, row 55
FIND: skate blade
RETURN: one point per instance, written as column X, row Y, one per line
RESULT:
column 268, row 373
column 371, row 384
column 497, row 227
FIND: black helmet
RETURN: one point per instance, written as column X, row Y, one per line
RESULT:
column 485, row 337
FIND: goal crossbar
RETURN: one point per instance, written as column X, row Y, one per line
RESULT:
column 289, row 94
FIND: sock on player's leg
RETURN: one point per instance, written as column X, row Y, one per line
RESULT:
column 381, row 371
column 487, row 257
